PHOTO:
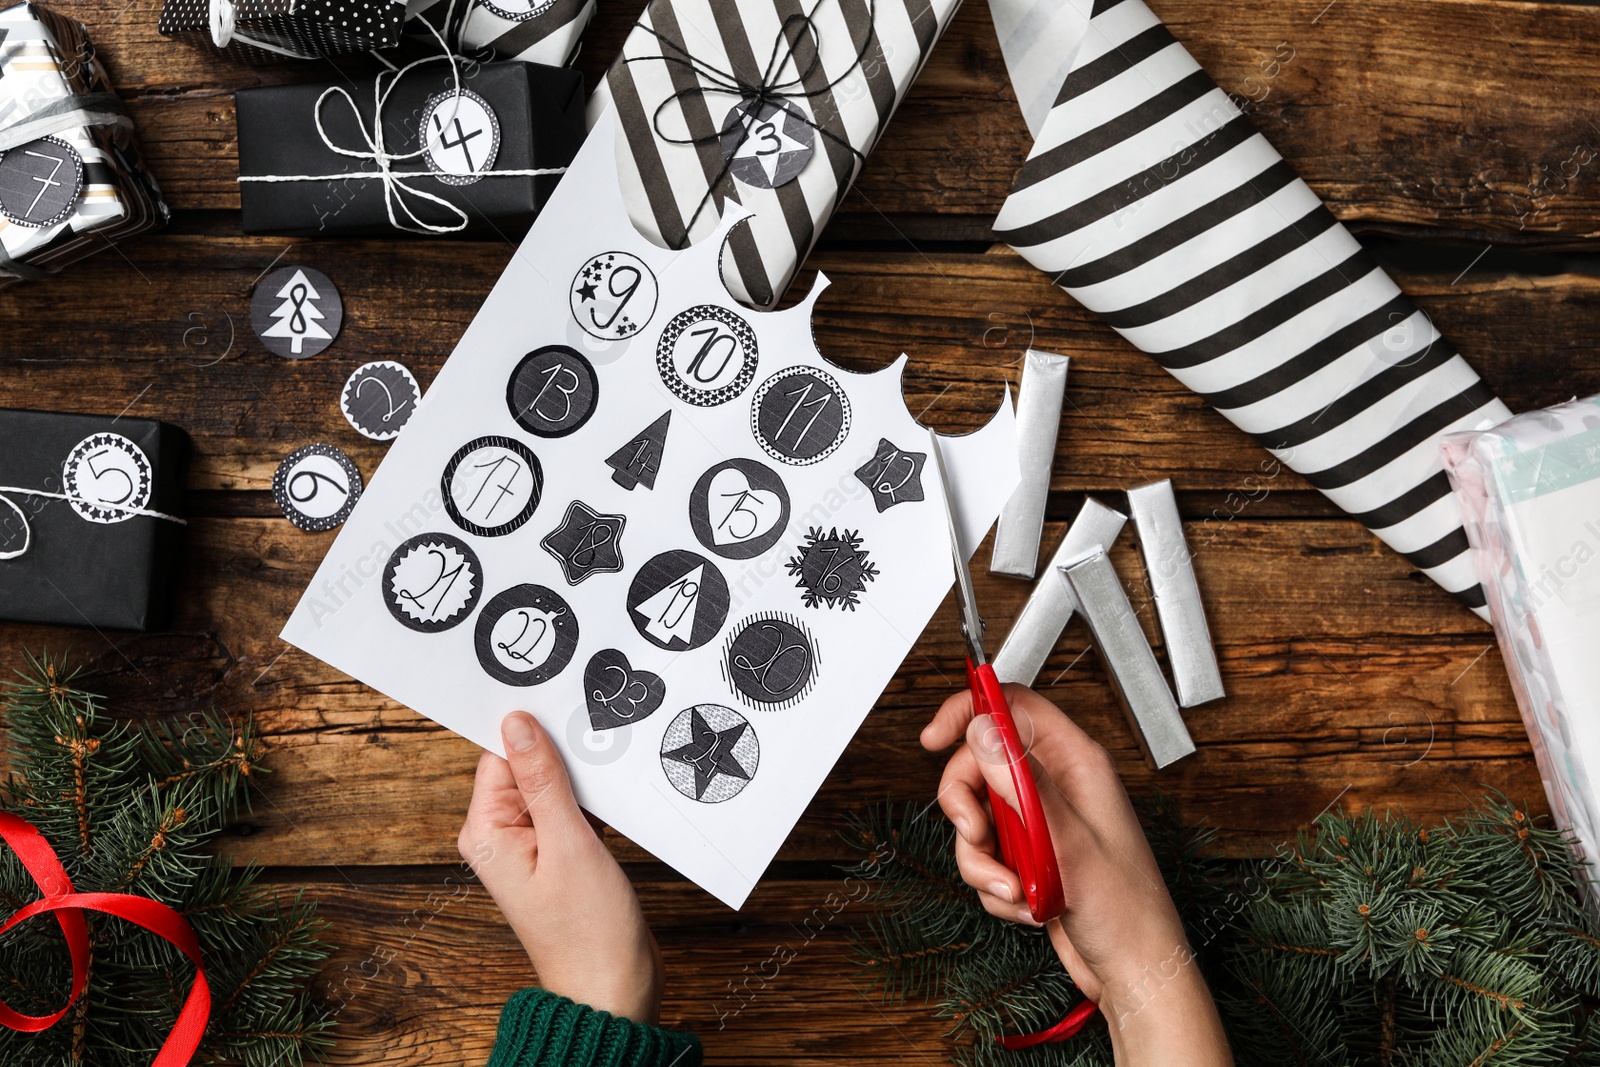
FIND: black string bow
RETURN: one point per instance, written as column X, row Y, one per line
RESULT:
column 771, row 89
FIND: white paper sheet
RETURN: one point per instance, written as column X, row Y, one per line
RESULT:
column 859, row 628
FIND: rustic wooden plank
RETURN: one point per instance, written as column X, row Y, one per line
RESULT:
column 771, row 984
column 964, row 320
column 1349, row 675
column 1452, row 116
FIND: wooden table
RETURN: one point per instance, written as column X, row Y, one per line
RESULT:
column 1455, row 134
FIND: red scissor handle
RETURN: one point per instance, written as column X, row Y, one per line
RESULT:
column 1025, row 843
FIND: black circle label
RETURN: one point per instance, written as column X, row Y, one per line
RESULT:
column 379, row 398
column 614, row 295
column 800, row 415
column 492, row 485
column 296, row 311
column 707, row 355
column 526, row 635
column 40, row 182
column 739, row 508
column 432, row 582
column 316, row 487
column 710, row 753
column 766, row 143
column 771, row 660
column 678, row 600
column 552, row 391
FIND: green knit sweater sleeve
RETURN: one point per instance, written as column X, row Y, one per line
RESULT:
column 541, row 1029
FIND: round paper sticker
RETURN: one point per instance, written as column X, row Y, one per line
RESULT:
column 553, row 391
column 492, row 485
column 526, row 635
column 379, row 398
column 800, row 415
column 296, row 311
column 771, row 660
column 614, row 295
column 678, row 600
column 432, row 582
column 739, row 508
column 710, row 753
column 460, row 136
column 40, row 182
column 766, row 143
column 107, row 475
column 707, row 355
column 316, row 487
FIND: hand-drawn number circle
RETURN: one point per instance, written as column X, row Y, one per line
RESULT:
column 40, row 182
column 526, row 635
column 710, row 753
column 771, row 661
column 800, row 415
column 316, row 487
column 678, row 600
column 379, row 398
column 107, row 478
column 492, row 485
column 552, row 391
column 432, row 582
column 614, row 296
column 460, row 136
column 707, row 355
column 766, row 143
column 739, row 508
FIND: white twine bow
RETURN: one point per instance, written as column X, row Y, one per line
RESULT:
column 27, row 527
column 224, row 23
column 397, row 185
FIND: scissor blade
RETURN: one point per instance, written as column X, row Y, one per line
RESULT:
column 966, row 599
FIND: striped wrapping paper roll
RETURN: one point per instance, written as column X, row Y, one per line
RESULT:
column 843, row 81
column 1152, row 200
column 534, row 31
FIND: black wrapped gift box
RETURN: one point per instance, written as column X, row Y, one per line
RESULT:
column 78, row 572
column 539, row 123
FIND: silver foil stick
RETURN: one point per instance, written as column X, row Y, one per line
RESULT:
column 1178, row 607
column 1128, row 660
column 1016, row 538
column 1051, row 604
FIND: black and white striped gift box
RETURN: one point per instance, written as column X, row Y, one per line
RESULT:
column 1152, row 200
column 534, row 31
column 850, row 74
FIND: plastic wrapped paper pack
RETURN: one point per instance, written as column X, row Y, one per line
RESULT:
column 1530, row 492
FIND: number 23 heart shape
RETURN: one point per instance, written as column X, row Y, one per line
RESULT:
column 617, row 693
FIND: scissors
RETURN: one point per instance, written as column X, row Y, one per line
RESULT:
column 1025, row 844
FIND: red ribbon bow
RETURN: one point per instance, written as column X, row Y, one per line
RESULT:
column 68, row 905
